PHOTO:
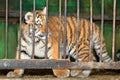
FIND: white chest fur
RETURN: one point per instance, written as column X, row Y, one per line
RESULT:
column 39, row 48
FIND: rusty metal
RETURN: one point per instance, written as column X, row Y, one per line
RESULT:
column 77, row 28
column 113, row 37
column 102, row 24
column 33, row 64
column 33, row 29
column 6, row 32
column 95, row 65
column 59, row 30
column 50, row 64
column 19, row 39
column 65, row 27
column 91, row 21
column 46, row 40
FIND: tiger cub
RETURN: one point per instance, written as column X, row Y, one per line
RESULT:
column 40, row 36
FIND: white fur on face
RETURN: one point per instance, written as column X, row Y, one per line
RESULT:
column 28, row 17
column 38, row 21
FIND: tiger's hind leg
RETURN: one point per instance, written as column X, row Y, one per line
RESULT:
column 80, row 73
column 82, row 56
column 18, row 72
column 75, row 72
column 59, row 72
column 84, row 73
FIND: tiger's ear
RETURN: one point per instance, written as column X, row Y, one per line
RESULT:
column 28, row 18
column 44, row 11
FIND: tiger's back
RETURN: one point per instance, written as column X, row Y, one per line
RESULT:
column 71, row 36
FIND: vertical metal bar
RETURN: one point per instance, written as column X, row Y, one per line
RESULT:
column 65, row 26
column 59, row 30
column 33, row 35
column 46, row 40
column 19, row 40
column 77, row 28
column 6, row 32
column 91, row 17
column 102, row 24
column 113, row 38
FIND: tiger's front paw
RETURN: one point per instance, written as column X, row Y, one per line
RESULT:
column 61, row 73
column 15, row 73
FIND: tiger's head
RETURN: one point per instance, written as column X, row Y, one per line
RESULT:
column 38, row 21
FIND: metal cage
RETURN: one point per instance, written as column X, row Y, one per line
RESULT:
column 61, row 63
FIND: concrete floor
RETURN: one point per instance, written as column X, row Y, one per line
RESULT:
column 41, row 75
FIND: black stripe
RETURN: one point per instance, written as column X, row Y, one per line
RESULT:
column 24, row 46
column 37, row 41
column 23, row 37
column 25, row 53
column 71, row 33
column 105, row 58
column 97, row 48
column 104, row 52
column 73, row 43
column 71, row 47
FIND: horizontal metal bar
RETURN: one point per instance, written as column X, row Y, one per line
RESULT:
column 96, row 65
column 50, row 64
column 15, row 21
column 33, row 64
column 15, row 14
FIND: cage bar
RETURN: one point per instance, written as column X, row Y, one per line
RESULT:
column 19, row 40
column 59, row 30
column 6, row 32
column 33, row 29
column 113, row 37
column 77, row 28
column 46, row 40
column 91, row 21
column 102, row 25
column 65, row 27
